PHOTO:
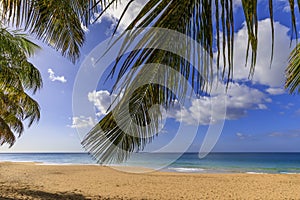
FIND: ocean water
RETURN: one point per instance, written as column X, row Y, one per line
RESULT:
column 274, row 163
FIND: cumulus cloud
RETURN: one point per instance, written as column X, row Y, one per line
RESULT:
column 231, row 105
column 275, row 91
column 264, row 74
column 101, row 100
column 204, row 110
column 53, row 78
column 82, row 122
column 114, row 13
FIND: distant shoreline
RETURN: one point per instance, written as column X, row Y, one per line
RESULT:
column 214, row 163
column 140, row 170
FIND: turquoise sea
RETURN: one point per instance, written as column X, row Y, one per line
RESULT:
column 275, row 163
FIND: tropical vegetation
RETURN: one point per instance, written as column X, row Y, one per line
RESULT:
column 17, row 74
column 58, row 24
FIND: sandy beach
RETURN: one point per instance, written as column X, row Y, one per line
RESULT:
column 32, row 181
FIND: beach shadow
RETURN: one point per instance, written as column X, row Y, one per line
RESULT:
column 21, row 194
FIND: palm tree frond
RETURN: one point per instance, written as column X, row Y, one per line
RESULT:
column 6, row 135
column 135, row 120
column 14, row 123
column 56, row 23
column 293, row 71
column 17, row 75
column 9, row 80
column 14, row 43
column 121, row 132
column 30, row 77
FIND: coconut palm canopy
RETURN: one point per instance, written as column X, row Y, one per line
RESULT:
column 16, row 75
column 210, row 23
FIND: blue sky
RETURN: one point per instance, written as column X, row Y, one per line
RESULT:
column 261, row 116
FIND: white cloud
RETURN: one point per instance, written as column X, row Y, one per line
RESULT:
column 209, row 110
column 101, row 100
column 206, row 109
column 275, row 91
column 114, row 13
column 53, row 78
column 264, row 74
column 84, row 28
column 82, row 122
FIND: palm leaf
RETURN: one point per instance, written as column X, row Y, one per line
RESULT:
column 55, row 22
column 30, row 76
column 6, row 135
column 293, row 71
column 16, row 107
column 134, row 122
column 16, row 75
column 15, row 69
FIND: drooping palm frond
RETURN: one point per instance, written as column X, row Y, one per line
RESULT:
column 14, row 42
column 186, row 17
column 6, row 135
column 58, row 23
column 135, row 121
column 30, row 77
column 202, row 21
column 16, row 107
column 293, row 71
column 120, row 132
column 16, row 71
column 16, row 75
column 18, row 42
column 250, row 9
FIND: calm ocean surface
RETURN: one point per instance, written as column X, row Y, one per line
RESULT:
column 284, row 163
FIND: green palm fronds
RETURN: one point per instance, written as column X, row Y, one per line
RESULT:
column 135, row 121
column 293, row 71
column 16, row 76
column 58, row 23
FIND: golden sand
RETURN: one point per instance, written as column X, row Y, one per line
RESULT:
column 31, row 181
